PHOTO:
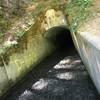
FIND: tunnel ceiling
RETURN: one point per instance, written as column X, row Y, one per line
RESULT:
column 60, row 36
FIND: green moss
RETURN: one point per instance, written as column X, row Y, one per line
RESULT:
column 55, row 3
column 23, row 61
column 38, row 10
column 4, row 25
column 78, row 11
column 19, row 34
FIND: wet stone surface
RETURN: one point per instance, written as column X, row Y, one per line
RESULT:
column 62, row 76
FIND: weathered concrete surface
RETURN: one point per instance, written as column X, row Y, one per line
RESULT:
column 88, row 46
column 24, row 45
column 61, row 76
column 86, row 37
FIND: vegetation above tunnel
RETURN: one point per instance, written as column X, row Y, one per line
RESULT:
column 78, row 11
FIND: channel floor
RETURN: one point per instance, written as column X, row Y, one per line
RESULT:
column 61, row 76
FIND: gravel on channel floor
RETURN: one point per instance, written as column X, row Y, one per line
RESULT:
column 61, row 76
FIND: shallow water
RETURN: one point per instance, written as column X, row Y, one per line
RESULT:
column 61, row 76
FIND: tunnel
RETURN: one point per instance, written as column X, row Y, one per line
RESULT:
column 58, row 76
column 60, row 36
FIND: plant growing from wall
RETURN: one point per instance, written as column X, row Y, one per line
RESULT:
column 78, row 11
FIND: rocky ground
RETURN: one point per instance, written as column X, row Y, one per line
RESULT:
column 62, row 76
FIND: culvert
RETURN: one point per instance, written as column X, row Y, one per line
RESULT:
column 60, row 41
column 58, row 76
column 34, row 46
column 60, row 37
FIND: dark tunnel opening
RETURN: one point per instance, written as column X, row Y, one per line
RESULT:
column 63, row 39
column 60, row 37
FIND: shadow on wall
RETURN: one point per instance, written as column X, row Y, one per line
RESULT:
column 60, row 36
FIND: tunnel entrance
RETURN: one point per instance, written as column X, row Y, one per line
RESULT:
column 57, row 77
column 60, row 37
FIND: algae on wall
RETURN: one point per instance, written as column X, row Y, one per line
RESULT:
column 21, row 61
column 21, row 58
column 4, row 81
column 24, row 44
column 78, row 12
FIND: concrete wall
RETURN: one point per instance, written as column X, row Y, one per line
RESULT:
column 88, row 48
column 32, row 45
column 22, row 58
column 84, row 22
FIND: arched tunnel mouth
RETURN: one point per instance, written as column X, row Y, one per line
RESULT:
column 57, row 72
column 60, row 36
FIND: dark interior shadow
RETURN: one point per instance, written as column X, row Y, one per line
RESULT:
column 60, row 36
